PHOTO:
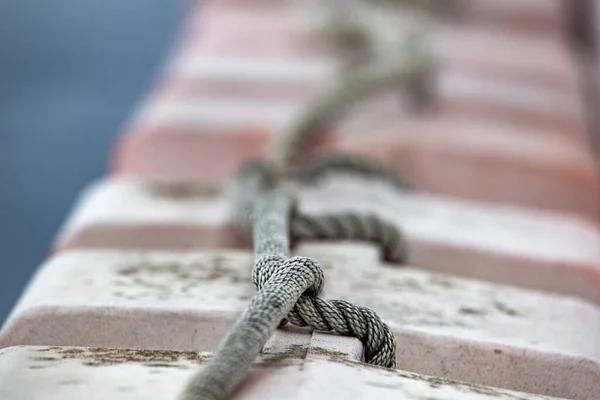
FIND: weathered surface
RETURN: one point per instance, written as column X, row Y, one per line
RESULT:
column 460, row 93
column 507, row 245
column 73, row 373
column 536, row 14
column 445, row 326
column 125, row 213
column 276, row 30
column 207, row 141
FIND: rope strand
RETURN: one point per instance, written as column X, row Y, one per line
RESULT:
column 255, row 176
column 289, row 288
column 285, row 287
column 318, row 167
column 354, row 226
column 411, row 69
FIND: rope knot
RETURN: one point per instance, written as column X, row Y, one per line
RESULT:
column 303, row 271
column 276, row 277
column 298, row 272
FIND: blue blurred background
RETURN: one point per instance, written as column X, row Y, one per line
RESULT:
column 71, row 72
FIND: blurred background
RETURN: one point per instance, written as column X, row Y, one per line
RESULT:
column 70, row 73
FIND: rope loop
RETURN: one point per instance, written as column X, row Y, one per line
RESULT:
column 273, row 274
column 378, row 57
column 277, row 269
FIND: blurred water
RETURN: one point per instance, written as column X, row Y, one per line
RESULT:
column 70, row 73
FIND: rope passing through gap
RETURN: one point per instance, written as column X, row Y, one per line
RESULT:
column 289, row 288
column 352, row 226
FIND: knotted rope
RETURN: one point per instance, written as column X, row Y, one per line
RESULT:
column 255, row 176
column 289, row 288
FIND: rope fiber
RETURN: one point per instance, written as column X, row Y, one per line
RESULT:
column 287, row 288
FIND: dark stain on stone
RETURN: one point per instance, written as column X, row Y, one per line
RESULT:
column 128, row 271
column 394, row 386
column 164, row 365
column 44, row 359
column 461, row 386
column 441, row 281
column 331, row 355
column 438, row 383
column 284, row 358
column 181, row 191
column 471, row 311
column 503, row 308
column 163, row 279
column 219, row 269
column 96, row 357
column 44, row 350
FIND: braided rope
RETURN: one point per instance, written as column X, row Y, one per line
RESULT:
column 358, row 31
column 413, row 69
column 353, row 226
column 286, row 287
column 256, row 176
column 316, row 168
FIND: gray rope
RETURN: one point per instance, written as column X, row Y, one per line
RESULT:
column 412, row 69
column 257, row 175
column 358, row 31
column 353, row 226
column 288, row 288
column 270, row 305
column 319, row 167
column 253, row 178
column 285, row 287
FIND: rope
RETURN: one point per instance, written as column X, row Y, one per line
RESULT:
column 289, row 288
column 354, row 226
column 360, row 31
column 286, row 286
column 265, row 311
column 413, row 69
column 257, row 175
column 312, row 170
